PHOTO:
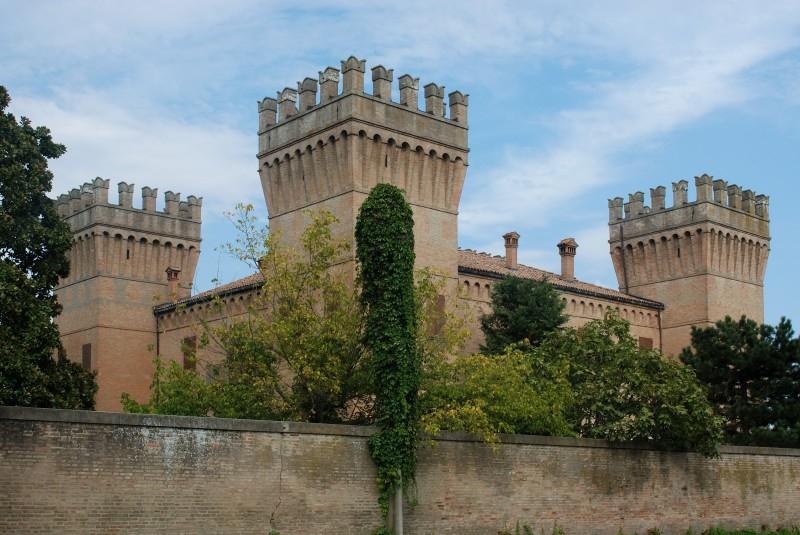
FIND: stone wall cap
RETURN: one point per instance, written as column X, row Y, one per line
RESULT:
column 32, row 414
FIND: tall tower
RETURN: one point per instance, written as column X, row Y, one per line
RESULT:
column 703, row 259
column 119, row 265
column 328, row 153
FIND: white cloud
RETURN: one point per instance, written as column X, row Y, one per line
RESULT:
column 677, row 70
column 168, row 81
column 104, row 138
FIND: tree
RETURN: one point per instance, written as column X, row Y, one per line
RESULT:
column 33, row 246
column 294, row 354
column 385, row 253
column 753, row 376
column 515, row 392
column 297, row 352
column 623, row 392
column 522, row 309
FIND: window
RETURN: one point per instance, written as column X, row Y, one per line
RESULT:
column 440, row 314
column 189, row 350
column 645, row 343
column 86, row 357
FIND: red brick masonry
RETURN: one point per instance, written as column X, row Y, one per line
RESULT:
column 90, row 472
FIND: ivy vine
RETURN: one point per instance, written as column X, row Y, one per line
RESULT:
column 385, row 253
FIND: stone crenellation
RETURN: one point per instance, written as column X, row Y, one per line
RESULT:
column 707, row 189
column 704, row 259
column 291, row 102
column 96, row 193
column 123, row 259
column 328, row 142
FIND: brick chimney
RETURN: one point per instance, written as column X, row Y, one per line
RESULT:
column 512, row 243
column 567, row 248
column 173, row 277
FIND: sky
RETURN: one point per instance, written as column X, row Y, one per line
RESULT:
column 571, row 103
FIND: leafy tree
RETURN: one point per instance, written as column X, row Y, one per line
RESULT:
column 753, row 377
column 522, row 309
column 626, row 393
column 484, row 395
column 294, row 354
column 33, row 246
column 248, row 369
column 385, row 253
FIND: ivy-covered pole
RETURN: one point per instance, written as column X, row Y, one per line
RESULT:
column 385, row 252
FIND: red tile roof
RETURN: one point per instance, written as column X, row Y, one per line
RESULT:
column 488, row 265
column 240, row 285
column 468, row 262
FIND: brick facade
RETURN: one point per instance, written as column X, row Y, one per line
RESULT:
column 86, row 473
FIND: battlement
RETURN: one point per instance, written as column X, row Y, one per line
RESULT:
column 96, row 193
column 703, row 258
column 89, row 205
column 287, row 106
column 326, row 144
column 708, row 190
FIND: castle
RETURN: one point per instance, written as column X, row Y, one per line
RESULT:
column 324, row 145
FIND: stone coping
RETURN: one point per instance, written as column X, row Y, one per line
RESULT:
column 32, row 414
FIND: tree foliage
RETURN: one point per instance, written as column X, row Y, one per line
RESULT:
column 295, row 353
column 385, row 252
column 515, row 392
column 753, row 376
column 522, row 309
column 623, row 392
column 33, row 246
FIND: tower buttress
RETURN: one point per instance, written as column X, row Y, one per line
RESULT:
column 703, row 259
column 118, row 265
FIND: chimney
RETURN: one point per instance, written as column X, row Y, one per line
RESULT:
column 512, row 243
column 173, row 277
column 567, row 248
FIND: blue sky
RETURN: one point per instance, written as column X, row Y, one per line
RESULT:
column 570, row 103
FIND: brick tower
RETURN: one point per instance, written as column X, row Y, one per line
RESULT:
column 328, row 151
column 122, row 262
column 703, row 259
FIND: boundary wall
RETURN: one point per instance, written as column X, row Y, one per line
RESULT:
column 93, row 472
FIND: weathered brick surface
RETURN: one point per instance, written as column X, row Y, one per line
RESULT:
column 80, row 472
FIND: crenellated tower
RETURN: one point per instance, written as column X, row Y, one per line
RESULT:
column 118, row 270
column 328, row 151
column 703, row 259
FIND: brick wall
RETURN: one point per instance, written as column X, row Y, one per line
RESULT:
column 84, row 472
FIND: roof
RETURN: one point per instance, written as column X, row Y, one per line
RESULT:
column 485, row 264
column 244, row 284
column 468, row 262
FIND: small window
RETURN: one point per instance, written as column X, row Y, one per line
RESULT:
column 86, row 357
column 440, row 314
column 189, row 350
column 645, row 343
